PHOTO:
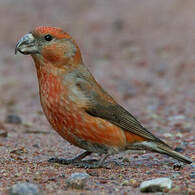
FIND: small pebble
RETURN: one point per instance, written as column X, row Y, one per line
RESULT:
column 192, row 175
column 125, row 183
column 179, row 149
column 19, row 151
column 179, row 135
column 77, row 180
column 24, row 189
column 36, row 146
column 160, row 69
column 3, row 133
column 103, row 181
column 118, row 24
column 13, row 119
column 156, row 185
column 168, row 135
column 177, row 117
column 126, row 159
column 133, row 182
column 177, row 166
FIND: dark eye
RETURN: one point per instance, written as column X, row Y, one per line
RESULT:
column 48, row 37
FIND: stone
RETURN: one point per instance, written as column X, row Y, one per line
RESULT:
column 13, row 119
column 77, row 180
column 168, row 135
column 177, row 117
column 192, row 175
column 24, row 189
column 156, row 185
column 179, row 149
column 3, row 133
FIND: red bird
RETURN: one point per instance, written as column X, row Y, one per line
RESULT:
column 76, row 105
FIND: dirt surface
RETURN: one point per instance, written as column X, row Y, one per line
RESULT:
column 142, row 52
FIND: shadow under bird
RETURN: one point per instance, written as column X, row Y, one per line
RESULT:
column 76, row 105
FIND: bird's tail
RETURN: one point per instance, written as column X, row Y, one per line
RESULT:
column 164, row 149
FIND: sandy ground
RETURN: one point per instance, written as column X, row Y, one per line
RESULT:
column 142, row 52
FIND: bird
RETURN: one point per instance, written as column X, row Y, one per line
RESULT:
column 77, row 107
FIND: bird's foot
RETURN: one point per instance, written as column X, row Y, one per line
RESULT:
column 87, row 164
column 62, row 161
column 69, row 161
column 91, row 164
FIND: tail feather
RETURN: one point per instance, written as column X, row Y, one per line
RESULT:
column 163, row 149
column 170, row 152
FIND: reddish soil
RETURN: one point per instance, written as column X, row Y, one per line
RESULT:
column 142, row 52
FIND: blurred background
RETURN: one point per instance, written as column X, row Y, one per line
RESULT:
column 142, row 52
column 139, row 50
column 133, row 47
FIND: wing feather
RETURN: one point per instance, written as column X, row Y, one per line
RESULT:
column 100, row 104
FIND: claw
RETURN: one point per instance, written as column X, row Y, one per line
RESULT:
column 61, row 161
column 87, row 164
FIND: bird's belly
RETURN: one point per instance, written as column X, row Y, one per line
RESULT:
column 63, row 110
column 85, row 131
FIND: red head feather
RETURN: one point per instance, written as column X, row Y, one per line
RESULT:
column 56, row 32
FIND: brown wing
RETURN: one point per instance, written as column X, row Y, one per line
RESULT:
column 122, row 118
column 100, row 104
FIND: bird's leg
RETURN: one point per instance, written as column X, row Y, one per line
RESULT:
column 93, row 165
column 77, row 159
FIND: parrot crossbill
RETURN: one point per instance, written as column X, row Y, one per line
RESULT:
column 77, row 107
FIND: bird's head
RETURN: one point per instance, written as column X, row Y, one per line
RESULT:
column 50, row 45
